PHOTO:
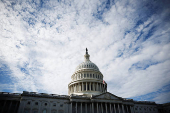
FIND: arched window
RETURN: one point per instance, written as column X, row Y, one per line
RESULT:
column 26, row 111
column 36, row 103
column 53, row 111
column 44, row 111
column 35, row 111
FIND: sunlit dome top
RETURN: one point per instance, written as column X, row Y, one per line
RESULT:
column 87, row 64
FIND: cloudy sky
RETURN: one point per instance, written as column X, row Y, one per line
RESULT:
column 42, row 42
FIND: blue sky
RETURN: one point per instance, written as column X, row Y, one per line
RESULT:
column 42, row 42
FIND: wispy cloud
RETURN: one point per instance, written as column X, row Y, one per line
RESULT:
column 42, row 42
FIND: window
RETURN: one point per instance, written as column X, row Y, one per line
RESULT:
column 93, row 75
column 90, row 76
column 26, row 111
column 29, row 103
column 60, row 111
column 61, row 105
column 87, row 75
column 84, row 75
column 54, row 104
column 53, row 111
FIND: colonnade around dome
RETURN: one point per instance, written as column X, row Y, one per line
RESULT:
column 86, row 75
column 87, row 87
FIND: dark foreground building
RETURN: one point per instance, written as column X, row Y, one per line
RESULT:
column 87, row 93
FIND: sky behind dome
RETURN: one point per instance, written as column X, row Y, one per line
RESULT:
column 43, row 41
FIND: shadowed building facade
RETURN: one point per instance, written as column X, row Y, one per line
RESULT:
column 87, row 93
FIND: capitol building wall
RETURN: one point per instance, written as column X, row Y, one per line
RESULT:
column 87, row 93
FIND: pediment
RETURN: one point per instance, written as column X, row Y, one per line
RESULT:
column 107, row 95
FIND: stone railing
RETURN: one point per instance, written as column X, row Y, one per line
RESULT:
column 26, row 93
column 144, row 102
column 7, row 93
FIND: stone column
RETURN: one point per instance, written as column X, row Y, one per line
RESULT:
column 102, row 107
column 92, row 107
column 71, row 88
column 97, row 87
column 97, row 107
column 76, row 107
column 100, row 87
column 114, row 108
column 110, row 108
column 81, row 107
column 9, row 107
column 106, row 107
column 118, row 108
column 86, row 86
column 127, row 108
column 75, row 88
column 90, row 86
column 132, row 109
column 17, row 104
column 78, row 87
column 123, row 108
column 86, row 107
column 71, row 108
column 82, row 86
column 93, row 86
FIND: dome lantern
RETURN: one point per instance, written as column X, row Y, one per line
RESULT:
column 86, row 56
